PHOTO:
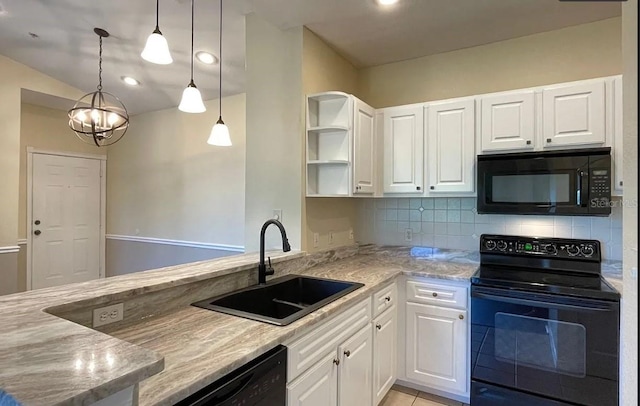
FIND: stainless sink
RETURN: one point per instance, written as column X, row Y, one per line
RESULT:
column 281, row 301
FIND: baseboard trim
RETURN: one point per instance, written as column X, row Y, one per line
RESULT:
column 178, row 243
column 10, row 249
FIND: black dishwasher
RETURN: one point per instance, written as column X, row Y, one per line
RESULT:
column 260, row 382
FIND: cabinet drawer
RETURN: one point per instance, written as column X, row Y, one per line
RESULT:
column 385, row 298
column 313, row 346
column 437, row 294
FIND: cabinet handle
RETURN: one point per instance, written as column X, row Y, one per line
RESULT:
column 620, row 183
column 378, row 326
column 461, row 317
column 528, row 142
column 548, row 139
column 336, row 361
column 418, row 188
column 347, row 353
column 388, row 298
column 434, row 294
column 432, row 187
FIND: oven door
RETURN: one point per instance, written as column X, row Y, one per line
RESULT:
column 556, row 348
column 528, row 185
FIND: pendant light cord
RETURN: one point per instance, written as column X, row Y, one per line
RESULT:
column 100, row 66
column 157, row 14
column 220, row 85
column 191, row 41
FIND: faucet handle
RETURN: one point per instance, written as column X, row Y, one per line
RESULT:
column 270, row 270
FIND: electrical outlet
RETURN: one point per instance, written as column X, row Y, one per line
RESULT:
column 330, row 237
column 108, row 314
column 408, row 234
column 351, row 233
column 277, row 214
column 316, row 240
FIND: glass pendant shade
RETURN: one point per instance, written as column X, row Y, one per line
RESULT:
column 157, row 49
column 191, row 101
column 220, row 135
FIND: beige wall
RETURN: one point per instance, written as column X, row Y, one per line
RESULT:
column 14, row 77
column 629, row 350
column 324, row 70
column 274, row 125
column 48, row 129
column 574, row 53
column 165, row 181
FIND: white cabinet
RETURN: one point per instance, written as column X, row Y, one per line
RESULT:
column 317, row 386
column 355, row 371
column 437, row 347
column 363, row 148
column 403, row 149
column 617, row 136
column 384, row 353
column 450, row 147
column 507, row 122
column 574, row 114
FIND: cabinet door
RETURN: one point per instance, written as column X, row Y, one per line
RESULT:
column 617, row 136
column 450, row 146
column 436, row 347
column 356, row 369
column 316, row 387
column 508, row 122
column 574, row 115
column 384, row 353
column 403, row 153
column 363, row 148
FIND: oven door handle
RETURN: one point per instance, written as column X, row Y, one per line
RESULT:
column 591, row 306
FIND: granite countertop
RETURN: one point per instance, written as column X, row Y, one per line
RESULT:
column 47, row 360
column 201, row 346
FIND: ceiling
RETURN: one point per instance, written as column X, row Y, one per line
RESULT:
column 360, row 30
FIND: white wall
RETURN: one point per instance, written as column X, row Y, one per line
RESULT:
column 629, row 350
column 453, row 223
column 165, row 181
column 274, row 125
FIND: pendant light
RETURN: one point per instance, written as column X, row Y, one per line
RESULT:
column 191, row 99
column 156, row 49
column 220, row 132
column 99, row 118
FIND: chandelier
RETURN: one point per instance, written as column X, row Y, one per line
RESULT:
column 99, row 118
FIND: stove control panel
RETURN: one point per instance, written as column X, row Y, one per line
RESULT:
column 540, row 247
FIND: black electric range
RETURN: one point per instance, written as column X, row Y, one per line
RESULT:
column 544, row 324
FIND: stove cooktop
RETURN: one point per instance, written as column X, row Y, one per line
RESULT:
column 546, row 265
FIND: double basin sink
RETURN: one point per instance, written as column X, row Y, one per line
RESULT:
column 281, row 301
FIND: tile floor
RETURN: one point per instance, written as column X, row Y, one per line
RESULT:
column 401, row 396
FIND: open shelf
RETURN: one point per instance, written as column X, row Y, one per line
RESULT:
column 328, row 109
column 328, row 129
column 328, row 180
column 331, row 162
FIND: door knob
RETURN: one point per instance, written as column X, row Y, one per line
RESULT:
column 37, row 222
column 461, row 317
column 37, row 232
column 336, row 361
column 347, row 353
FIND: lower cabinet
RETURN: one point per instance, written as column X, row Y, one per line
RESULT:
column 384, row 353
column 316, row 387
column 355, row 369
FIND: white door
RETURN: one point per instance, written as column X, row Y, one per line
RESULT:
column 451, row 146
column 617, row 136
column 363, row 148
column 316, row 387
column 403, row 152
column 66, row 220
column 574, row 115
column 384, row 353
column 508, row 122
column 436, row 347
column 356, row 369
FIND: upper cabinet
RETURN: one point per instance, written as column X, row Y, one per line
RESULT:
column 450, row 146
column 363, row 148
column 507, row 121
column 403, row 149
column 574, row 114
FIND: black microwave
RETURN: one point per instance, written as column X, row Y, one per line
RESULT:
column 568, row 182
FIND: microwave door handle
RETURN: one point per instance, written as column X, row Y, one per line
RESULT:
column 579, row 188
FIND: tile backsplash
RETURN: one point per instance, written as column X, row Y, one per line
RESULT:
column 453, row 223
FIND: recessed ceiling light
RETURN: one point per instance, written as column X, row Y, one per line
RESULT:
column 387, row 2
column 206, row 57
column 130, row 81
